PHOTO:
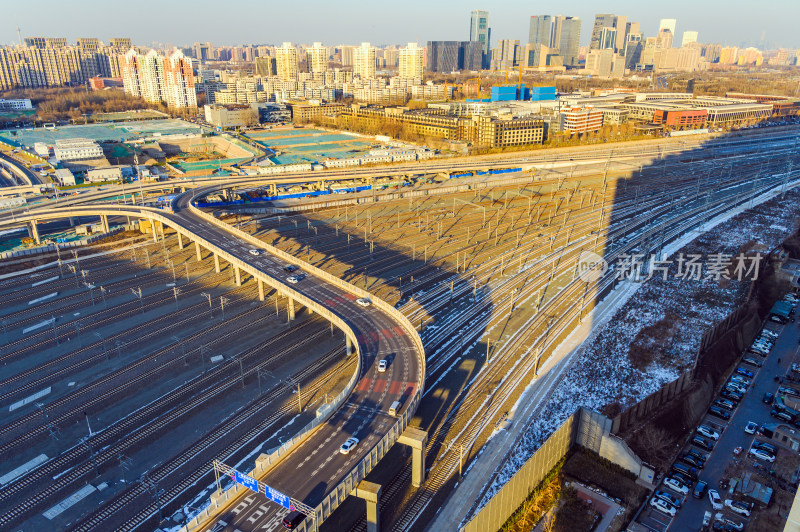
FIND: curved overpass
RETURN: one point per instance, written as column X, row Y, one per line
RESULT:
column 310, row 469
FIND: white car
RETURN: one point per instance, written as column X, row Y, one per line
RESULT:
column 663, row 506
column 739, row 507
column 676, row 485
column 716, row 502
column 751, row 427
column 363, row 301
column 255, row 252
column 348, row 446
column 383, row 365
column 722, row 519
column 708, row 432
column 762, row 455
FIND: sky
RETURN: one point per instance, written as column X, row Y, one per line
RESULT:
column 182, row 22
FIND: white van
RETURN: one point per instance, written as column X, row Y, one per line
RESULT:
column 394, row 408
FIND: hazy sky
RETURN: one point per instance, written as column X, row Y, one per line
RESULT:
column 182, row 22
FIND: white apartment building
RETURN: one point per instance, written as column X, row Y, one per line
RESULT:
column 286, row 62
column 76, row 149
column 364, row 60
column 410, row 61
column 317, row 58
column 159, row 79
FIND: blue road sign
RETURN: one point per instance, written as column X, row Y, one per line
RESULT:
column 276, row 496
column 244, row 480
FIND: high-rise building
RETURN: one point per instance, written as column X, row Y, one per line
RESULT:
column 203, row 51
column 266, row 67
column 364, row 60
column 160, row 79
column 46, row 42
column 688, row 38
column 410, row 61
column 666, row 37
column 540, row 29
column 566, row 38
column 667, row 24
column 471, row 55
column 608, row 39
column 506, row 55
column 443, row 56
column 317, row 58
column 633, row 50
column 286, row 62
column 121, row 45
column 604, row 20
column 479, row 30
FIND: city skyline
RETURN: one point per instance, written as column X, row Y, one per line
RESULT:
column 716, row 22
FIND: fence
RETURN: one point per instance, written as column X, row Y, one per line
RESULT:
column 49, row 248
column 585, row 428
column 649, row 404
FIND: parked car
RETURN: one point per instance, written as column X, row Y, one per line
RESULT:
column 761, row 455
column 724, row 403
column 740, row 380
column 703, row 443
column 719, row 412
column 768, row 397
column 708, row 432
column 680, row 477
column 752, row 361
column 787, row 390
column 724, row 523
column 751, row 427
column 685, row 470
column 783, row 416
column 672, row 499
column 745, row 372
column 714, row 498
column 692, row 460
column 697, row 454
column 699, row 489
column 663, row 506
column 731, row 394
column 757, row 444
column 740, row 507
column 676, row 485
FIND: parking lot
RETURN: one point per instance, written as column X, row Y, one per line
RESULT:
column 726, row 462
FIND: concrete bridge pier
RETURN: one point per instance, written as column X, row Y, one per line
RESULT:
column 72, row 221
column 290, row 307
column 33, row 232
column 349, row 345
column 198, row 250
column 154, row 230
column 238, row 275
column 416, row 439
column 216, row 263
column 104, row 223
column 260, row 290
column 180, row 241
column 371, row 493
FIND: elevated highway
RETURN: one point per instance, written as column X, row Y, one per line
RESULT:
column 310, row 468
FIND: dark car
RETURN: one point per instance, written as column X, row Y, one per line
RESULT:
column 783, row 416
column 752, row 361
column 733, row 395
column 725, row 403
column 290, row 268
column 764, row 446
column 719, row 412
column 697, row 454
column 293, row 520
column 685, row 470
column 746, row 372
column 767, row 399
column 699, row 490
column 703, row 443
column 686, row 479
column 692, row 460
